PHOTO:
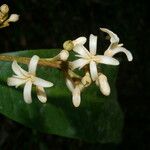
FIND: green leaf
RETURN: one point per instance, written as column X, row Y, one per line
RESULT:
column 98, row 119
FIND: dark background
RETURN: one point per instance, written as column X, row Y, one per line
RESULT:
column 46, row 24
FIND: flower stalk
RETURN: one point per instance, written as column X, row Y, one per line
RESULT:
column 26, row 60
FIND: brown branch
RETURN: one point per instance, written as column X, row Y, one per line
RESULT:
column 25, row 60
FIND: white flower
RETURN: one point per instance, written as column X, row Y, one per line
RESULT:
column 115, row 47
column 76, row 92
column 28, row 79
column 103, row 84
column 86, row 57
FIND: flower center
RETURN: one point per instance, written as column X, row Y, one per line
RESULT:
column 30, row 77
column 92, row 58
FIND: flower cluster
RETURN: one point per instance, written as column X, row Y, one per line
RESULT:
column 5, row 19
column 89, row 59
column 86, row 60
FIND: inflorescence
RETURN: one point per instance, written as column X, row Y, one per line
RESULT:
column 87, row 60
column 5, row 19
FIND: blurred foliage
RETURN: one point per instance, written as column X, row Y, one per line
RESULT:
column 47, row 23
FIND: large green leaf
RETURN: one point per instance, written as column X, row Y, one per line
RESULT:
column 99, row 118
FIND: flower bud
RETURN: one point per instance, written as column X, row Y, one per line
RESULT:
column 76, row 96
column 64, row 54
column 4, row 9
column 103, row 84
column 13, row 18
column 86, row 80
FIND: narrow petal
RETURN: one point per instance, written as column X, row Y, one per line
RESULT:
column 79, row 63
column 106, row 60
column 76, row 97
column 93, row 70
column 113, row 37
column 80, row 40
column 33, row 64
column 80, row 56
column 18, row 70
column 117, row 50
column 41, row 94
column 69, row 85
column 27, row 92
column 80, row 49
column 41, row 82
column 13, row 81
column 104, row 85
column 93, row 44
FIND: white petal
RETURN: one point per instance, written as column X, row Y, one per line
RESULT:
column 93, row 70
column 104, row 85
column 18, row 70
column 69, row 85
column 41, row 82
column 14, row 81
column 80, row 40
column 33, row 64
column 113, row 37
column 93, row 44
column 106, row 60
column 117, row 50
column 80, row 49
column 27, row 92
column 80, row 56
column 79, row 63
column 41, row 94
column 76, row 97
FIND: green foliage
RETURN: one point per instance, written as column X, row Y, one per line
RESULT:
column 98, row 118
